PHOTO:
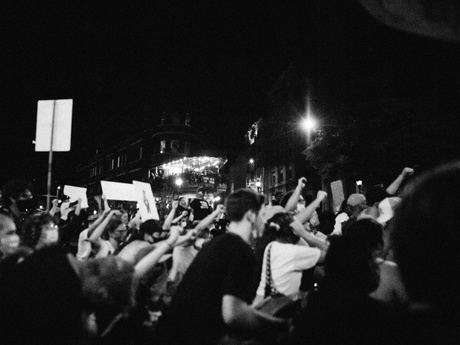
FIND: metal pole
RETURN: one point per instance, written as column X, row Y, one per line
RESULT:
column 50, row 161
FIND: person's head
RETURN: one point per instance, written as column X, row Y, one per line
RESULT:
column 326, row 222
column 117, row 230
column 350, row 268
column 368, row 230
column 108, row 288
column 40, row 231
column 151, row 230
column 356, row 203
column 281, row 225
column 9, row 239
column 374, row 195
column 42, row 302
column 246, row 203
column 18, row 193
column 425, row 237
column 199, row 193
column 183, row 202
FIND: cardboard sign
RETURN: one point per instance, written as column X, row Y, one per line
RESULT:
column 74, row 193
column 145, row 201
column 337, row 194
column 118, row 191
column 62, row 128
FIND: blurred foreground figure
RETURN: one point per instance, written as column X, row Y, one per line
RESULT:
column 426, row 239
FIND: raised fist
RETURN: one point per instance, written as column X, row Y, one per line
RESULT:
column 321, row 195
column 301, row 183
column 408, row 171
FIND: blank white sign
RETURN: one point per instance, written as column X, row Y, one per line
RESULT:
column 74, row 193
column 62, row 125
column 118, row 191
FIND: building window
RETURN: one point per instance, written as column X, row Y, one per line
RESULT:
column 281, row 174
column 174, row 146
column 123, row 159
column 290, row 172
column 163, row 146
column 187, row 148
column 273, row 178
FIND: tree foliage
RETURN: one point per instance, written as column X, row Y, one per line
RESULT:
column 375, row 141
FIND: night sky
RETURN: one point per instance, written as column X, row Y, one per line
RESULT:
column 123, row 63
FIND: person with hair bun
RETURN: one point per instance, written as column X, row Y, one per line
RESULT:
column 285, row 258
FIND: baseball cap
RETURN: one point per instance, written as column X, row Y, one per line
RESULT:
column 356, row 199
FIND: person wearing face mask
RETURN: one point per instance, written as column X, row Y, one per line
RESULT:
column 17, row 202
column 40, row 231
column 9, row 239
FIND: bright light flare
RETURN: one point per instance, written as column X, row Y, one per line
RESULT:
column 179, row 181
column 308, row 124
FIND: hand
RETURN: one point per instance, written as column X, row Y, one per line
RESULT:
column 103, row 197
column 301, row 183
column 55, row 202
column 184, row 213
column 175, row 204
column 115, row 213
column 220, row 209
column 79, row 201
column 407, row 172
column 321, row 195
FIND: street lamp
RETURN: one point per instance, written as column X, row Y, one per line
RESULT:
column 179, row 181
column 308, row 124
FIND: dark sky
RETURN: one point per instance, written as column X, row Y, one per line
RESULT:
column 125, row 62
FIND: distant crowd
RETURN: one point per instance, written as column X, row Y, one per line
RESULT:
column 384, row 269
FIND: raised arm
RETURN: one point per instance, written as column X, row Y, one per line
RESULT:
column 392, row 189
column 93, row 238
column 135, row 221
column 294, row 199
column 78, row 208
column 150, row 260
column 310, row 238
column 182, row 215
column 169, row 219
column 54, row 208
column 306, row 214
column 205, row 222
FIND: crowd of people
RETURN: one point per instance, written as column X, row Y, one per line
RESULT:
column 382, row 270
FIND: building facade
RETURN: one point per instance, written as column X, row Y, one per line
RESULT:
column 170, row 156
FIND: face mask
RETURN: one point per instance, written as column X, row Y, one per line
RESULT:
column 25, row 204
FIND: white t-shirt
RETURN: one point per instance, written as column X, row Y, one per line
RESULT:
column 84, row 246
column 342, row 217
column 105, row 249
column 287, row 263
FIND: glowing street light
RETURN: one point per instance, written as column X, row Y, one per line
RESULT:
column 251, row 161
column 179, row 181
column 308, row 124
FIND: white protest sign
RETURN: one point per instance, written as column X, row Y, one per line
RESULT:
column 118, row 191
column 337, row 194
column 62, row 109
column 74, row 193
column 145, row 201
